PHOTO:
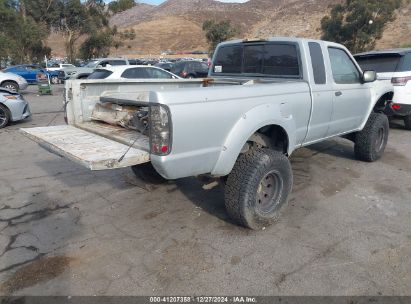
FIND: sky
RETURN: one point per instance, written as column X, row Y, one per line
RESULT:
column 156, row 2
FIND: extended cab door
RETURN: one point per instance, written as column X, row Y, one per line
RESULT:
column 322, row 93
column 351, row 96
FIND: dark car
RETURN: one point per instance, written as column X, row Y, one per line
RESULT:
column 30, row 72
column 190, row 69
column 165, row 65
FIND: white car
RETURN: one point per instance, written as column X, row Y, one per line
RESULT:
column 59, row 66
column 395, row 66
column 132, row 72
column 12, row 82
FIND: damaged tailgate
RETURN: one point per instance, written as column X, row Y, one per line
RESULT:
column 87, row 149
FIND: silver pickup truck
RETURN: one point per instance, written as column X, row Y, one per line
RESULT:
column 263, row 100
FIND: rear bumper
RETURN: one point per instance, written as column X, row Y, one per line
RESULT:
column 401, row 109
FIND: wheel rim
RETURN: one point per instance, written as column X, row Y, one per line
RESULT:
column 54, row 79
column 3, row 117
column 379, row 141
column 269, row 192
column 10, row 87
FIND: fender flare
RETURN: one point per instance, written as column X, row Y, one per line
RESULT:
column 248, row 124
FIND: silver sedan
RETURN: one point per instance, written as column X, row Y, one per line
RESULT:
column 13, row 107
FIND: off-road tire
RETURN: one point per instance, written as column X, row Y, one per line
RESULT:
column 4, row 116
column 407, row 122
column 10, row 85
column 369, row 145
column 242, row 189
column 147, row 173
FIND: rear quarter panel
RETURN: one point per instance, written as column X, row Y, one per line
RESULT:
column 211, row 125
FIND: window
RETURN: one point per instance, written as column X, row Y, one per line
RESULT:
column 118, row 62
column 135, row 73
column 100, row 74
column 253, row 59
column 178, row 67
column 405, row 65
column 229, row 60
column 278, row 59
column 383, row 63
column 156, row 73
column 343, row 69
column 317, row 61
column 281, row 60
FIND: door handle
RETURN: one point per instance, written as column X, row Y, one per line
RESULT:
column 338, row 93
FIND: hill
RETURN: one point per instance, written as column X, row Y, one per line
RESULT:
column 176, row 25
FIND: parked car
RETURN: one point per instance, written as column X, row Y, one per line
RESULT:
column 131, row 72
column 12, row 82
column 262, row 101
column 85, row 71
column 13, row 107
column 190, row 69
column 59, row 66
column 393, row 66
column 165, row 65
column 30, row 71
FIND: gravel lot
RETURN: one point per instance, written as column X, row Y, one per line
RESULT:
column 68, row 231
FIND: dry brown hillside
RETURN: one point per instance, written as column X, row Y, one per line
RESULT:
column 176, row 24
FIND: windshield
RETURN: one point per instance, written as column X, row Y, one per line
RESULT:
column 91, row 64
column 384, row 63
column 100, row 74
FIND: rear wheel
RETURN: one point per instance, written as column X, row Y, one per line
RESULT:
column 10, row 85
column 371, row 141
column 4, row 116
column 54, row 80
column 407, row 122
column 258, row 187
column 148, row 174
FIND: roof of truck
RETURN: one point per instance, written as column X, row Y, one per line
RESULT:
column 281, row 39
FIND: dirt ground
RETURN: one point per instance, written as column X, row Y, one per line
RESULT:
column 68, row 231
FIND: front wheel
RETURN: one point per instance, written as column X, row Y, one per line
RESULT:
column 11, row 86
column 370, row 143
column 4, row 116
column 258, row 187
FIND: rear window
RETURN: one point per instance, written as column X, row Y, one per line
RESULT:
column 100, row 74
column 272, row 59
column 379, row 63
column 405, row 65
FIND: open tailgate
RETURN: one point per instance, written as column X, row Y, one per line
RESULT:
column 85, row 148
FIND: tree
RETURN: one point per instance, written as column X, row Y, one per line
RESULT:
column 21, row 38
column 77, row 19
column 217, row 32
column 358, row 24
column 121, row 5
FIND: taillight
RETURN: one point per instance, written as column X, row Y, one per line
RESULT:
column 160, row 128
column 400, row 81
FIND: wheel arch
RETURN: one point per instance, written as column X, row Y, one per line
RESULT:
column 383, row 101
column 10, row 80
column 8, row 110
column 256, row 126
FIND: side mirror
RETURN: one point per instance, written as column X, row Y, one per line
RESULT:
column 369, row 76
